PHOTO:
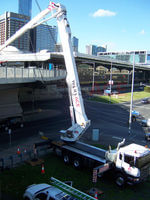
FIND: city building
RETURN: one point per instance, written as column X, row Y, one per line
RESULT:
column 58, row 47
column 10, row 23
column 25, row 7
column 93, row 49
column 140, row 57
column 101, row 49
column 43, row 37
column 75, row 44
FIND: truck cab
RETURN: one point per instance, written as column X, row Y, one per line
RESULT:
column 132, row 163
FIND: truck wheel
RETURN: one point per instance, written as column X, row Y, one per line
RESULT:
column 120, row 180
column 26, row 198
column 66, row 159
column 77, row 163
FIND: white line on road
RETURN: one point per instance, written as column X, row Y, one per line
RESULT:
column 118, row 138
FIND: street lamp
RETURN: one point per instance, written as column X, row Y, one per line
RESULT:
column 132, row 88
column 93, row 77
column 110, row 83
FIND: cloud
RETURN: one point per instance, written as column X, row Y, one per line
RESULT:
column 103, row 13
column 142, row 32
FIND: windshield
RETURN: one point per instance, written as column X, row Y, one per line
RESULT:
column 131, row 160
column 142, row 161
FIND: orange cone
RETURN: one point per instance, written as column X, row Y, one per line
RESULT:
column 43, row 170
column 96, row 197
column 18, row 151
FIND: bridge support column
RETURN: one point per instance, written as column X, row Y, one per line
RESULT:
column 9, row 104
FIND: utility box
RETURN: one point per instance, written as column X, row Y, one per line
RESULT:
column 95, row 134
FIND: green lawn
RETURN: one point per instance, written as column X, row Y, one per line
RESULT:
column 14, row 181
column 120, row 98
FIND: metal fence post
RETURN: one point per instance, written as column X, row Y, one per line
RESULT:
column 2, row 161
column 12, row 162
column 22, row 73
column 15, row 72
column 20, row 157
column 6, row 71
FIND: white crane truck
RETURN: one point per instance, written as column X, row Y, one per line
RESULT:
column 130, row 163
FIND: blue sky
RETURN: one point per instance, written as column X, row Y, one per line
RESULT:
column 122, row 25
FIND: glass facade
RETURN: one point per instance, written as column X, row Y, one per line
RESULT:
column 94, row 50
column 46, row 37
column 141, row 57
column 101, row 49
column 148, row 58
column 25, row 7
column 9, row 24
column 75, row 43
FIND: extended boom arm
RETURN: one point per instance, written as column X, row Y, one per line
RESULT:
column 79, row 119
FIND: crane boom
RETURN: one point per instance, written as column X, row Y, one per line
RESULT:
column 80, row 122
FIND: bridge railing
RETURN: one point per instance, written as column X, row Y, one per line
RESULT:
column 30, row 74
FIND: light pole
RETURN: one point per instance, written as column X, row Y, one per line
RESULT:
column 111, row 82
column 93, row 77
column 132, row 88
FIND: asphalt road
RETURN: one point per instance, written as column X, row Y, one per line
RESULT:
column 111, row 120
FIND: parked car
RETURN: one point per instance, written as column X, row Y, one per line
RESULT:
column 135, row 115
column 45, row 192
column 145, row 100
column 109, row 91
column 145, row 122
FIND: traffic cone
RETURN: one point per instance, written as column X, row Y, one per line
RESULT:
column 18, row 151
column 43, row 170
column 96, row 196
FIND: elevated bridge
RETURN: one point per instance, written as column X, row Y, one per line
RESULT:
column 31, row 69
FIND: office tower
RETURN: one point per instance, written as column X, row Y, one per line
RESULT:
column 9, row 24
column 101, row 49
column 44, row 37
column 91, row 50
column 75, row 42
column 25, row 7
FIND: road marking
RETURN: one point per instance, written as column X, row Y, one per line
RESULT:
column 118, row 138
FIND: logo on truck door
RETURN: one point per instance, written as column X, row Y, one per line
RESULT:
column 75, row 94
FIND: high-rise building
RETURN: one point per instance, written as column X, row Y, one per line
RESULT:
column 25, row 7
column 101, row 49
column 9, row 24
column 93, row 49
column 44, row 37
column 75, row 44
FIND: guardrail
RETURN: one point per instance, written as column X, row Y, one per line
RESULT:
column 14, row 160
column 30, row 74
